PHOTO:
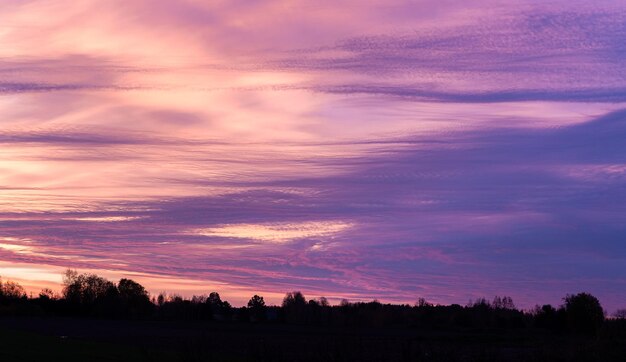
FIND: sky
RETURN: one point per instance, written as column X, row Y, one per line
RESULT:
column 364, row 150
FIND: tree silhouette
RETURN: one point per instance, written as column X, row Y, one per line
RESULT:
column 294, row 307
column 503, row 303
column 89, row 295
column 584, row 313
column 218, row 309
column 161, row 299
column 134, row 297
column 47, row 293
column 423, row 303
column 12, row 290
column 294, row 299
column 256, row 304
column 620, row 314
column 214, row 299
column 131, row 290
column 87, row 288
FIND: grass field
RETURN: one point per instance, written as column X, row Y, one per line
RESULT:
column 18, row 345
column 59, row 339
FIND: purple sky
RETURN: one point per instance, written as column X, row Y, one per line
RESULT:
column 354, row 149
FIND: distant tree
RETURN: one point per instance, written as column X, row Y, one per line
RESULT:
column 294, row 307
column 134, row 298
column 199, row 299
column 422, row 302
column 96, row 287
column 93, row 293
column 161, row 299
column 503, row 303
column 12, row 290
column 256, row 302
column 324, row 302
column 294, row 299
column 620, row 314
column 313, row 303
column 546, row 317
column 47, row 293
column 72, row 286
column 480, row 303
column 214, row 299
column 219, row 309
column 584, row 313
column 69, row 277
column 257, row 307
column 547, row 309
column 131, row 290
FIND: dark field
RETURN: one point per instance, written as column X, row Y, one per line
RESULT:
column 70, row 339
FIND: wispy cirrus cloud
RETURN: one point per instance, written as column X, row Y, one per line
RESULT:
column 493, row 202
column 540, row 53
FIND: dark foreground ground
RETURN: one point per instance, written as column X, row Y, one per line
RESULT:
column 66, row 339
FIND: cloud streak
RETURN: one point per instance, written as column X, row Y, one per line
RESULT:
column 494, row 202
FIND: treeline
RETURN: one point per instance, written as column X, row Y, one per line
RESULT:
column 89, row 295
